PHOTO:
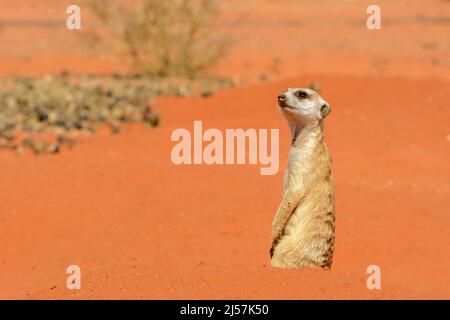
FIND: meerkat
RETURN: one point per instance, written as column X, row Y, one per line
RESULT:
column 304, row 226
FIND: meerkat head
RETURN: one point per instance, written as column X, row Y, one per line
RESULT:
column 303, row 105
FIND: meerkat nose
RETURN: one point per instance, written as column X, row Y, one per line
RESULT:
column 281, row 97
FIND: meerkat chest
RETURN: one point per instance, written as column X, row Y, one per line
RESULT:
column 300, row 162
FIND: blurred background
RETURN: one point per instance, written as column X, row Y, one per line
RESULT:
column 264, row 38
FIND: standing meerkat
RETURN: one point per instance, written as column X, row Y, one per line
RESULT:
column 303, row 228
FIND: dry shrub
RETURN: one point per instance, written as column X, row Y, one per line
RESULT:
column 164, row 37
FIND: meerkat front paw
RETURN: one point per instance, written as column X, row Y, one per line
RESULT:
column 276, row 235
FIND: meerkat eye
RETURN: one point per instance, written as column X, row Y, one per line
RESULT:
column 302, row 94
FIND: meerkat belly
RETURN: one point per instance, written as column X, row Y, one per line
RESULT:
column 309, row 235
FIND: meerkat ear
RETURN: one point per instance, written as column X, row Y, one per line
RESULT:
column 325, row 110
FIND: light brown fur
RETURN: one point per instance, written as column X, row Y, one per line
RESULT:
column 303, row 230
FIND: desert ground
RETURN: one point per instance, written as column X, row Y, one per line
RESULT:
column 141, row 227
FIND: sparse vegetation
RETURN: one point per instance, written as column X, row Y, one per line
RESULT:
column 164, row 38
column 44, row 114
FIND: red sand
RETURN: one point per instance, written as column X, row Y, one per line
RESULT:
column 141, row 227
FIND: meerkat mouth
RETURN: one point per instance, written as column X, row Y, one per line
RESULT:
column 285, row 106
